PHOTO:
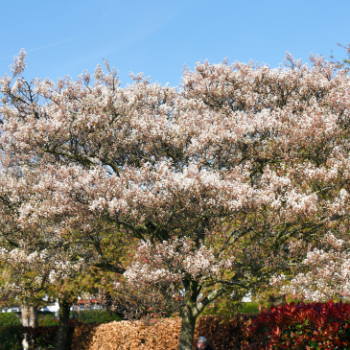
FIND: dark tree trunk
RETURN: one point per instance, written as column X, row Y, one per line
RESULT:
column 187, row 332
column 63, row 326
column 189, row 315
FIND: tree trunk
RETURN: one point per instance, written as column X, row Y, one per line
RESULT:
column 33, row 317
column 63, row 326
column 189, row 315
column 29, row 316
column 187, row 331
column 25, row 315
column 29, row 319
column 192, row 310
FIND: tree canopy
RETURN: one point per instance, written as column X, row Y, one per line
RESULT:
column 223, row 182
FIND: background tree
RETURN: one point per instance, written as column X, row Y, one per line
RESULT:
column 39, row 265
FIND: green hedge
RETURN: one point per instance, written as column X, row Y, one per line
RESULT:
column 48, row 319
column 94, row 316
column 90, row 316
column 11, row 337
column 10, row 319
column 11, row 330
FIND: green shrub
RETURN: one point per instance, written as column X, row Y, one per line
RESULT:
column 14, row 319
column 9, row 319
column 94, row 316
column 44, row 337
column 302, row 327
column 11, row 330
column 11, row 337
column 47, row 319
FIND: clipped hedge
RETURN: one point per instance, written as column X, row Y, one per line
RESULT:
column 225, row 334
column 162, row 334
column 11, row 337
column 11, row 330
column 125, row 335
column 322, row 326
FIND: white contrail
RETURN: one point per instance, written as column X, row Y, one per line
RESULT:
column 54, row 44
column 138, row 34
column 44, row 47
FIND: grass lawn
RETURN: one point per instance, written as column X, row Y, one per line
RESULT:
column 246, row 308
column 249, row 308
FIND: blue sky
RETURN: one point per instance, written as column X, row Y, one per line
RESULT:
column 158, row 37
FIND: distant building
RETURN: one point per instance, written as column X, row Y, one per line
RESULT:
column 247, row 298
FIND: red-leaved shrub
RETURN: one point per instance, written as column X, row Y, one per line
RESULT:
column 322, row 326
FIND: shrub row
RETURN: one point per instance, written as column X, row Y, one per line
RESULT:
column 47, row 319
column 162, row 334
column 321, row 326
column 11, row 337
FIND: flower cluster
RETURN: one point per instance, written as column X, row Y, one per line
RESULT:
column 168, row 262
column 327, row 276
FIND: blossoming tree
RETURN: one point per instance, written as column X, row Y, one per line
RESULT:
column 37, row 266
column 217, row 180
